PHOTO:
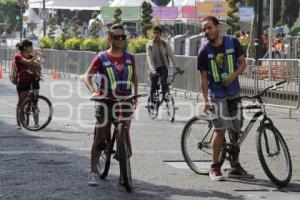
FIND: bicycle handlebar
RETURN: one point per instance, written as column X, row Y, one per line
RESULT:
column 274, row 87
column 109, row 99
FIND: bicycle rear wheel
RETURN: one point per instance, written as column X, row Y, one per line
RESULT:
column 274, row 155
column 124, row 158
column 196, row 144
column 170, row 106
column 152, row 109
column 37, row 115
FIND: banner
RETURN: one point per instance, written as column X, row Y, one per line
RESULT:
column 217, row 9
column 165, row 13
column 188, row 12
column 128, row 13
column 246, row 14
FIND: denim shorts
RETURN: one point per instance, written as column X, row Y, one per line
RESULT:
column 226, row 115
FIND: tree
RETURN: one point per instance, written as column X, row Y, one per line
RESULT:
column 75, row 27
column 8, row 15
column 52, row 26
column 161, row 2
column 146, row 17
column 117, row 16
column 232, row 20
column 290, row 12
column 65, row 30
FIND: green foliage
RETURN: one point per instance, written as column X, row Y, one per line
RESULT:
column 146, row 19
column 58, row 44
column 94, row 31
column 90, row 44
column 72, row 44
column 45, row 43
column 295, row 31
column 8, row 16
column 117, row 16
column 103, row 44
column 245, row 44
column 137, row 45
column 232, row 20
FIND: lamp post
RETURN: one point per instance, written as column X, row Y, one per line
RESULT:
column 270, row 37
column 44, row 21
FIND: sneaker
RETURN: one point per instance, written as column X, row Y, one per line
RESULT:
column 215, row 173
column 239, row 172
column 93, row 179
column 36, row 126
column 18, row 127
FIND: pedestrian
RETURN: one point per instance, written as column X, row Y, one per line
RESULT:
column 220, row 61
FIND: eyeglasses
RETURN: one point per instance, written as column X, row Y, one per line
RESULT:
column 118, row 37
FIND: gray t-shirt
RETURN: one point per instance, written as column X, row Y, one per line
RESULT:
column 158, row 58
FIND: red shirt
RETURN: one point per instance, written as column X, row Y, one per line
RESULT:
column 23, row 75
column 118, row 64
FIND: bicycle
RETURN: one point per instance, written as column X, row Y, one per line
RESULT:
column 35, row 112
column 271, row 147
column 123, row 147
column 159, row 98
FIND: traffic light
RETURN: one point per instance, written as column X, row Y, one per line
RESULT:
column 18, row 12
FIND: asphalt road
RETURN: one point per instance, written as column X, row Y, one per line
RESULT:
column 54, row 163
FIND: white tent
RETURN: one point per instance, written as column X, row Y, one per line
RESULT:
column 70, row 4
column 128, row 3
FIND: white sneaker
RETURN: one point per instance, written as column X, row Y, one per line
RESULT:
column 93, row 179
column 18, row 127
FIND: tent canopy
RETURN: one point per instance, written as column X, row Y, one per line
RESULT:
column 124, row 3
column 69, row 4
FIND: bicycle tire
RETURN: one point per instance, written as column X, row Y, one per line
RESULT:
column 25, row 113
column 284, row 178
column 103, row 164
column 124, row 158
column 197, row 152
column 170, row 106
column 152, row 112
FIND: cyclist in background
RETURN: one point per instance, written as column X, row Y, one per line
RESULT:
column 25, row 65
column 220, row 61
column 159, row 54
column 118, row 73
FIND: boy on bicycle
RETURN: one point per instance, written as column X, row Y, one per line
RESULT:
column 117, row 69
column 220, row 61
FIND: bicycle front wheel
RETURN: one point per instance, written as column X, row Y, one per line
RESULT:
column 37, row 115
column 274, row 155
column 196, row 144
column 124, row 158
column 170, row 106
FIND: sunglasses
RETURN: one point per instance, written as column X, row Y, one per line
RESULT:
column 118, row 37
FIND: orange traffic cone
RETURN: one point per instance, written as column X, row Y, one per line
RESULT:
column 53, row 74
column 1, row 73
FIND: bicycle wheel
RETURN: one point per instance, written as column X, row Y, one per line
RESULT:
column 274, row 155
column 36, row 116
column 152, row 109
column 124, row 158
column 170, row 106
column 196, row 144
column 104, row 162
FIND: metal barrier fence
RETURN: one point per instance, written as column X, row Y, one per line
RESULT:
column 254, row 79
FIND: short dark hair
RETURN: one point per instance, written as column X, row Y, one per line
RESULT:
column 116, row 26
column 214, row 20
column 157, row 28
column 24, row 44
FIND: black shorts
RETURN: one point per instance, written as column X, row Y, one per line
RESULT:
column 25, row 86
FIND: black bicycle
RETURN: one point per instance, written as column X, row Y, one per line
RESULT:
column 35, row 112
column 120, row 135
column 159, row 99
column 272, row 149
